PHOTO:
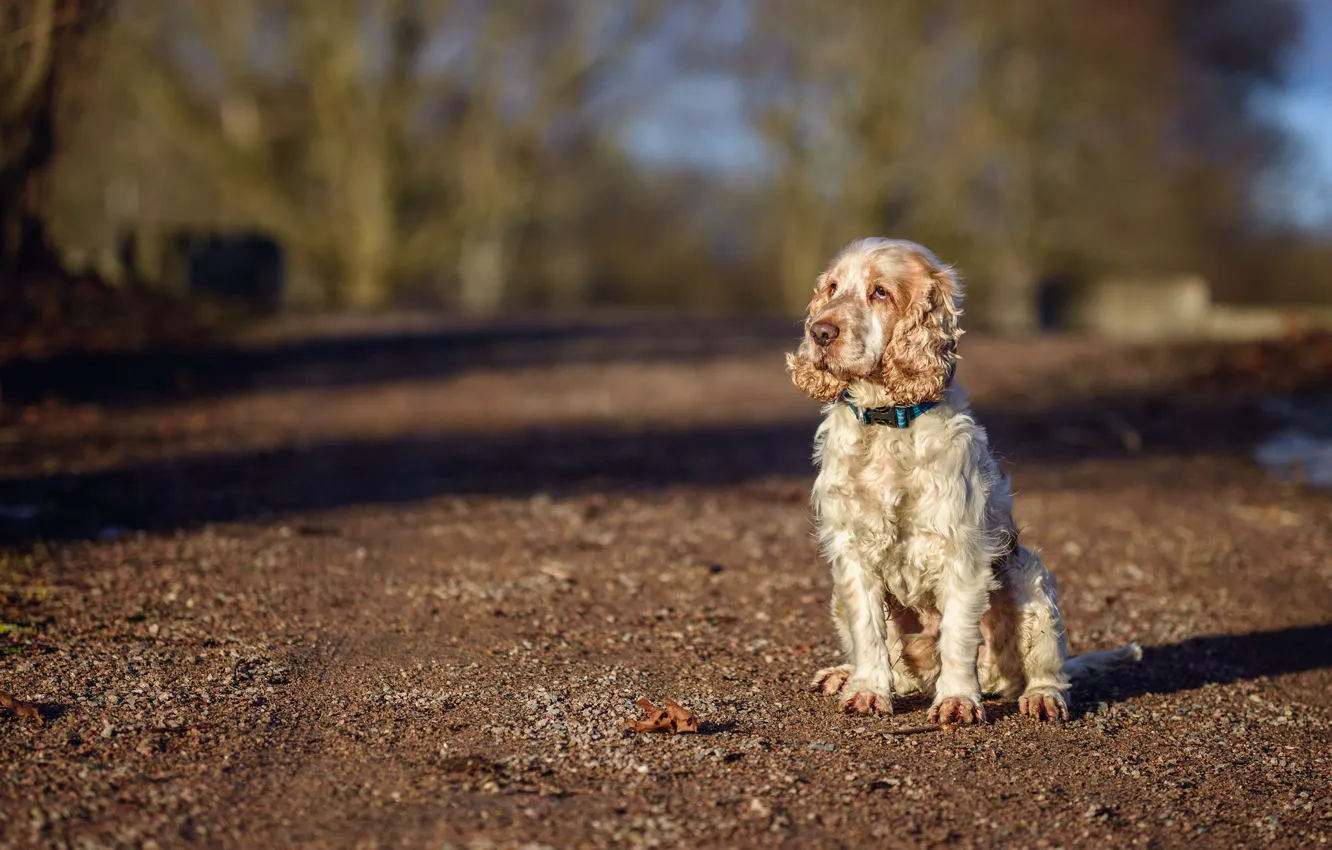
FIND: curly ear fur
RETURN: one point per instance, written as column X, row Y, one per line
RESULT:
column 814, row 382
column 921, row 354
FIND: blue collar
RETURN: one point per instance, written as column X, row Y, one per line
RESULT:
column 893, row 417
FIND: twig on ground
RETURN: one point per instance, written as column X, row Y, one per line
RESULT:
column 915, row 730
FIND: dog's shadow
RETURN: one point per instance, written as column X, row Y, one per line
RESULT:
column 1212, row 659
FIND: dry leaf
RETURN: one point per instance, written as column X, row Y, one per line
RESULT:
column 674, row 718
column 20, row 708
column 682, row 718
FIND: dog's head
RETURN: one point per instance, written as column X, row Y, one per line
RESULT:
column 884, row 313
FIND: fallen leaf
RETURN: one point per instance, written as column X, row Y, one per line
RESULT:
column 674, row 718
column 20, row 708
column 683, row 718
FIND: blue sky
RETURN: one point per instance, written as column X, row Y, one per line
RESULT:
column 1305, row 106
column 696, row 121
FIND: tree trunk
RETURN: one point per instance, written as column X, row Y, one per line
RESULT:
column 366, row 285
column 28, row 129
column 364, row 290
column 370, row 230
column 24, row 242
column 1010, row 299
column 801, row 253
column 482, row 267
column 568, row 271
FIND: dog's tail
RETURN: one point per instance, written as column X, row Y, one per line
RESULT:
column 1098, row 662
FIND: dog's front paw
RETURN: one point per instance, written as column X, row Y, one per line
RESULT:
column 957, row 711
column 1043, row 705
column 866, row 696
column 830, row 680
column 868, row 702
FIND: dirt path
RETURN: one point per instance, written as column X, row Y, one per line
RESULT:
column 410, row 601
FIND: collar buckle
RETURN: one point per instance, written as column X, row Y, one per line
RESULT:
column 893, row 417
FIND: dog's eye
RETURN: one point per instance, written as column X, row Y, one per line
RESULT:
column 832, row 288
column 879, row 293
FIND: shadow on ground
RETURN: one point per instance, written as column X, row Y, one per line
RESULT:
column 126, row 379
column 161, row 496
column 1215, row 659
column 186, row 492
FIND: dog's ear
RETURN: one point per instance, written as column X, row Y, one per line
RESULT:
column 812, row 381
column 921, row 353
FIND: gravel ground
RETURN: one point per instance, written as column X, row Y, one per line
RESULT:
column 406, row 591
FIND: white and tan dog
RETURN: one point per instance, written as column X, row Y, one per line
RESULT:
column 932, row 590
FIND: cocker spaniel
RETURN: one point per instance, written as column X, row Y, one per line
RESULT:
column 932, row 591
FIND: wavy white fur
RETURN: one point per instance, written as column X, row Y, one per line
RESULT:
column 932, row 592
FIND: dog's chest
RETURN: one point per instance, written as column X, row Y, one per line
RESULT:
column 897, row 542
column 874, row 495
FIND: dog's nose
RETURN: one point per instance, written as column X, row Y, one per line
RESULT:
column 823, row 332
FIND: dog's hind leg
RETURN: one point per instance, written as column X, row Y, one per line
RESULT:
column 1041, row 639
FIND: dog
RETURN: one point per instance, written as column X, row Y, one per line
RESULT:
column 932, row 591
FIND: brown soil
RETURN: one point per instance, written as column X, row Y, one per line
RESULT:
column 406, row 591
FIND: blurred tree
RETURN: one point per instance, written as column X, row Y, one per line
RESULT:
column 840, row 98
column 379, row 141
column 1057, row 135
column 1022, row 139
column 468, row 151
column 1230, row 52
column 37, row 43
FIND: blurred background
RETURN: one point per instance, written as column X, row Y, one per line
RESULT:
column 1141, row 168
